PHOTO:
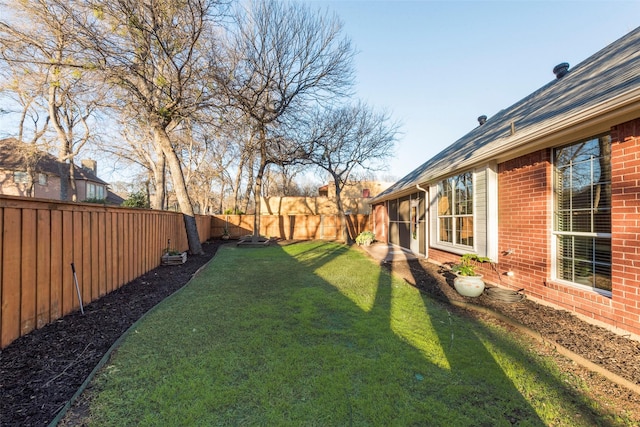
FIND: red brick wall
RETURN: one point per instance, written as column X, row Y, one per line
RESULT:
column 524, row 221
column 625, row 219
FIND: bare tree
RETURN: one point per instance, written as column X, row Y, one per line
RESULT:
column 283, row 58
column 206, row 160
column 348, row 140
column 36, row 44
column 133, row 146
column 22, row 88
column 280, row 181
column 159, row 54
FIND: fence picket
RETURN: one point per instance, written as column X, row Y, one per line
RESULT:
column 11, row 269
column 55, row 257
column 43, row 268
column 28, row 277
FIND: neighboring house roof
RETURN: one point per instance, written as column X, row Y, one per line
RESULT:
column 11, row 158
column 114, row 199
column 606, row 82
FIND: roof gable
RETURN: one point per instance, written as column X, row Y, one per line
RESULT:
column 12, row 157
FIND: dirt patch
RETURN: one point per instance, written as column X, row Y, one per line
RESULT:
column 41, row 371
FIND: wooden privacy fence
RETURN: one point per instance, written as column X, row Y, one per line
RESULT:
column 109, row 247
column 290, row 227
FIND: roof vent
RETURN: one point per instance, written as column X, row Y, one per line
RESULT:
column 482, row 120
column 561, row 70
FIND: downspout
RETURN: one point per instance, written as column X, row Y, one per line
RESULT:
column 426, row 221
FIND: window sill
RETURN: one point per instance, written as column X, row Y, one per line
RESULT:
column 456, row 249
column 585, row 288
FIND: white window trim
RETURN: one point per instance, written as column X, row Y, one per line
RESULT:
column 492, row 211
column 435, row 229
column 20, row 177
column 554, row 236
column 490, row 247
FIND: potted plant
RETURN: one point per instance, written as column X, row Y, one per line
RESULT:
column 468, row 281
column 365, row 238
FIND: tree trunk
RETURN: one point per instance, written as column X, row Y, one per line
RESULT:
column 257, row 195
column 236, row 186
column 72, row 183
column 346, row 234
column 162, row 139
column 64, row 181
column 250, row 185
column 159, row 176
column 258, row 188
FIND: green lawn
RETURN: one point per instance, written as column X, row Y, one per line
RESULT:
column 316, row 334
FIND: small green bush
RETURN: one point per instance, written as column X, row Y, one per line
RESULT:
column 365, row 238
column 468, row 264
column 137, row 199
column 234, row 211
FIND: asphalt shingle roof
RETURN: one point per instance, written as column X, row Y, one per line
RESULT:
column 11, row 158
column 601, row 83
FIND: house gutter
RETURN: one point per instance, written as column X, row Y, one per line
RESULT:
column 423, row 190
column 600, row 113
column 548, row 132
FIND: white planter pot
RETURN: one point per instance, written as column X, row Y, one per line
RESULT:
column 469, row 286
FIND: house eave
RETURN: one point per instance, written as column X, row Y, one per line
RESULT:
column 584, row 123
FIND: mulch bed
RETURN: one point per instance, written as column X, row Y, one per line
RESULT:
column 41, row 371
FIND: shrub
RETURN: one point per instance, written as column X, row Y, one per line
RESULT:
column 137, row 199
column 468, row 264
column 365, row 238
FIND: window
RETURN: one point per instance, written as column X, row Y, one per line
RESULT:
column 582, row 212
column 455, row 210
column 21, row 177
column 42, row 179
column 95, row 192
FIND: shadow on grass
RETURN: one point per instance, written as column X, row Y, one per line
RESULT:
column 492, row 338
column 465, row 392
column 297, row 336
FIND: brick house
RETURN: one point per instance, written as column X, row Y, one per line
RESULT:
column 32, row 173
column 548, row 188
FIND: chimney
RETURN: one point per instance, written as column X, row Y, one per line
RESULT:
column 561, row 70
column 482, row 120
column 90, row 165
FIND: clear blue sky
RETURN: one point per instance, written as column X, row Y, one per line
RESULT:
column 438, row 65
